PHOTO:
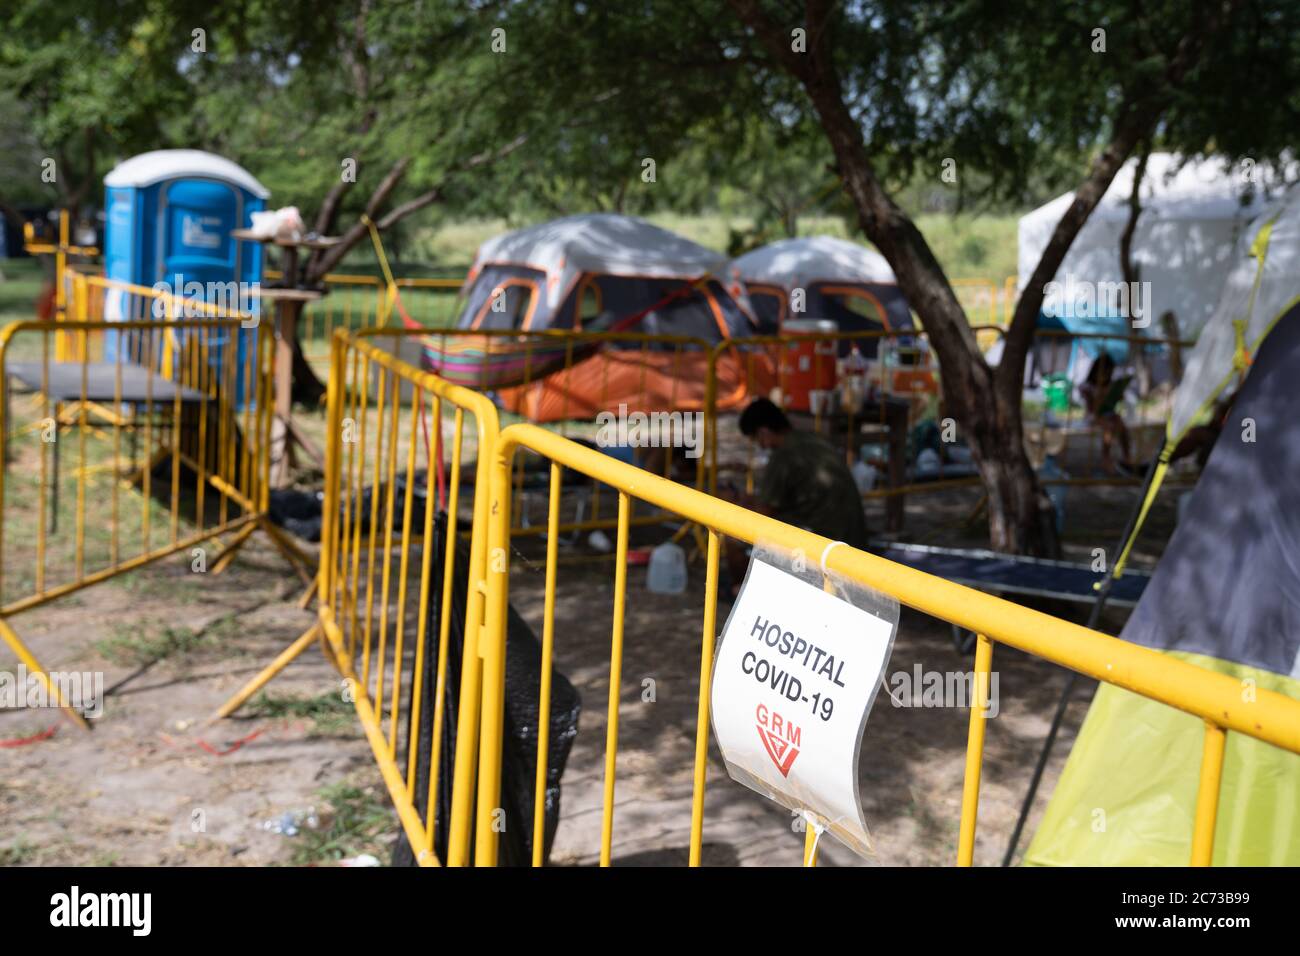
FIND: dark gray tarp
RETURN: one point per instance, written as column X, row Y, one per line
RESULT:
column 519, row 746
column 1228, row 584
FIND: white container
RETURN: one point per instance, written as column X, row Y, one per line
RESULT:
column 666, row 572
column 864, row 476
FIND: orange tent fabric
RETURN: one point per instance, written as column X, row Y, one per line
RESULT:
column 643, row 381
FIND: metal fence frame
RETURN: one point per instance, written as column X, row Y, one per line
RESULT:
column 1215, row 698
column 345, row 630
column 182, row 359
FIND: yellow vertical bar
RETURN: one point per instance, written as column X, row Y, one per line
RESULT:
column 339, row 594
column 421, row 625
column 380, row 394
column 114, row 544
column 809, row 844
column 810, row 833
column 702, row 707
column 390, row 475
column 176, row 376
column 1207, row 795
column 335, row 395
column 482, row 695
column 60, row 267
column 225, row 421
column 147, row 474
column 444, row 624
column 81, row 471
column 970, row 795
column 363, row 414
column 548, row 645
column 44, row 485
column 615, row 679
column 417, row 403
column 201, row 372
column 250, row 369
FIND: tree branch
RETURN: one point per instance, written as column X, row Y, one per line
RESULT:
column 334, row 255
column 329, row 258
column 919, row 274
column 359, row 60
column 1137, row 120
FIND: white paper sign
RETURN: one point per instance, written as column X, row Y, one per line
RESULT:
column 793, row 681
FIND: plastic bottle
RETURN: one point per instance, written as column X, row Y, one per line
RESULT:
column 666, row 573
column 864, row 476
column 854, row 380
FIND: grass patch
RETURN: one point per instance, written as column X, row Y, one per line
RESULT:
column 17, row 853
column 330, row 714
column 358, row 821
column 130, row 646
column 20, row 288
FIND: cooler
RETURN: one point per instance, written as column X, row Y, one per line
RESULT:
column 807, row 368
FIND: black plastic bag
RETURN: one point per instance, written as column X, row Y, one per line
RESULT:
column 519, row 746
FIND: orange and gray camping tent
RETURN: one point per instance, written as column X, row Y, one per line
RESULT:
column 836, row 280
column 606, row 273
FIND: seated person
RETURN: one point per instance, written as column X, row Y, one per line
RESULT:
column 1102, row 393
column 805, row 483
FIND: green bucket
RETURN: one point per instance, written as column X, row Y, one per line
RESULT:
column 1056, row 389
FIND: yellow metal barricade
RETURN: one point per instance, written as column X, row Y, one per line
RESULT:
column 128, row 441
column 902, row 383
column 1010, row 292
column 354, row 302
column 398, row 440
column 1215, row 698
column 979, row 297
column 921, row 387
column 595, row 372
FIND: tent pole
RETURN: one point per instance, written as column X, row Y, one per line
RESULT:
column 1098, row 605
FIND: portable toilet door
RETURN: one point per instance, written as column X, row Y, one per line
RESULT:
column 170, row 217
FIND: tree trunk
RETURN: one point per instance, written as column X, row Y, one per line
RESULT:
column 1021, row 517
column 1129, row 269
column 984, row 401
column 986, row 408
column 308, row 389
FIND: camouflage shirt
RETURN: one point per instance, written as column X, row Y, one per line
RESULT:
column 806, row 483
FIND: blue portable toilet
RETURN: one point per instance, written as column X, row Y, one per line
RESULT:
column 170, row 213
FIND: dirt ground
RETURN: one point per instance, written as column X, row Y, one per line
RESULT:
column 141, row 789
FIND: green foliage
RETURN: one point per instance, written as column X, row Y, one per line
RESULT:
column 137, row 646
column 18, row 853
column 356, row 821
column 92, row 83
column 1012, row 93
column 330, row 714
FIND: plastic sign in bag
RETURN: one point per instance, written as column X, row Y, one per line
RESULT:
column 801, row 659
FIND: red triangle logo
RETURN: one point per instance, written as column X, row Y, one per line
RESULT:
column 781, row 751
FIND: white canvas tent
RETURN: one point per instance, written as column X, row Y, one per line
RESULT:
column 1261, row 287
column 1193, row 213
